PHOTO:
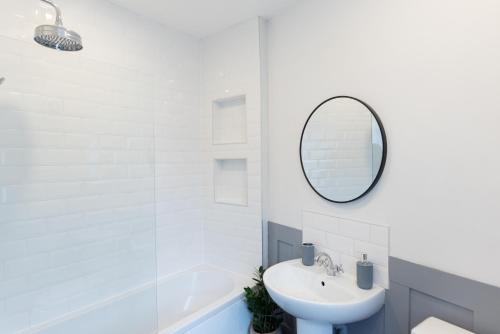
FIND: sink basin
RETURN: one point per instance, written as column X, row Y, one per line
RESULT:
column 319, row 301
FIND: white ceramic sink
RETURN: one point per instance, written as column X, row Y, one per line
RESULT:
column 318, row 301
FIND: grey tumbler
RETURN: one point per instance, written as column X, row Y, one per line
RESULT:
column 307, row 254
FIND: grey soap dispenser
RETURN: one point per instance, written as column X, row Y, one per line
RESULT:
column 364, row 273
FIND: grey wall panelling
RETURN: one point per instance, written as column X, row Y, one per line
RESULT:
column 417, row 292
column 284, row 243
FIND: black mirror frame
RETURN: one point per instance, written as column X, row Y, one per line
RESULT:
column 384, row 148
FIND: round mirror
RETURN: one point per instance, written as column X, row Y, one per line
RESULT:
column 343, row 149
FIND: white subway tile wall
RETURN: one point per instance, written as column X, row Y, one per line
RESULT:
column 231, row 70
column 77, row 160
column 345, row 240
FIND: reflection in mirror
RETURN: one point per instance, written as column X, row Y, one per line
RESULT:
column 343, row 149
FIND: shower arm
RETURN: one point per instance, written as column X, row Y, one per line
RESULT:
column 58, row 12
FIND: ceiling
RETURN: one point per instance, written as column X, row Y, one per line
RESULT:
column 203, row 17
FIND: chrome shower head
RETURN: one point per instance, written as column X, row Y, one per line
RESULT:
column 56, row 36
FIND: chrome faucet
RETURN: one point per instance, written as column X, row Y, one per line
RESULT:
column 324, row 260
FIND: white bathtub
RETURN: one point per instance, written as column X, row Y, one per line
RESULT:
column 202, row 300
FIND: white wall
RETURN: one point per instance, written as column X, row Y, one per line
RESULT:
column 231, row 68
column 430, row 69
column 77, row 160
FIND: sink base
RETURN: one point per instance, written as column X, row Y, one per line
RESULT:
column 313, row 327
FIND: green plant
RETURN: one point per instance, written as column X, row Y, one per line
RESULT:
column 267, row 316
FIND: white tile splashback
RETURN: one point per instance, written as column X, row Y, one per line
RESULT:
column 345, row 240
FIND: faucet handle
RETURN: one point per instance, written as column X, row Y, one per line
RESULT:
column 340, row 268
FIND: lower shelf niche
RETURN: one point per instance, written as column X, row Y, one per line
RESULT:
column 231, row 181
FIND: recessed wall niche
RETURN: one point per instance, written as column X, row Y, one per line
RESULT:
column 231, row 181
column 229, row 120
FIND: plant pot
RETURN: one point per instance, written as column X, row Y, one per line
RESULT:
column 265, row 321
column 252, row 331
